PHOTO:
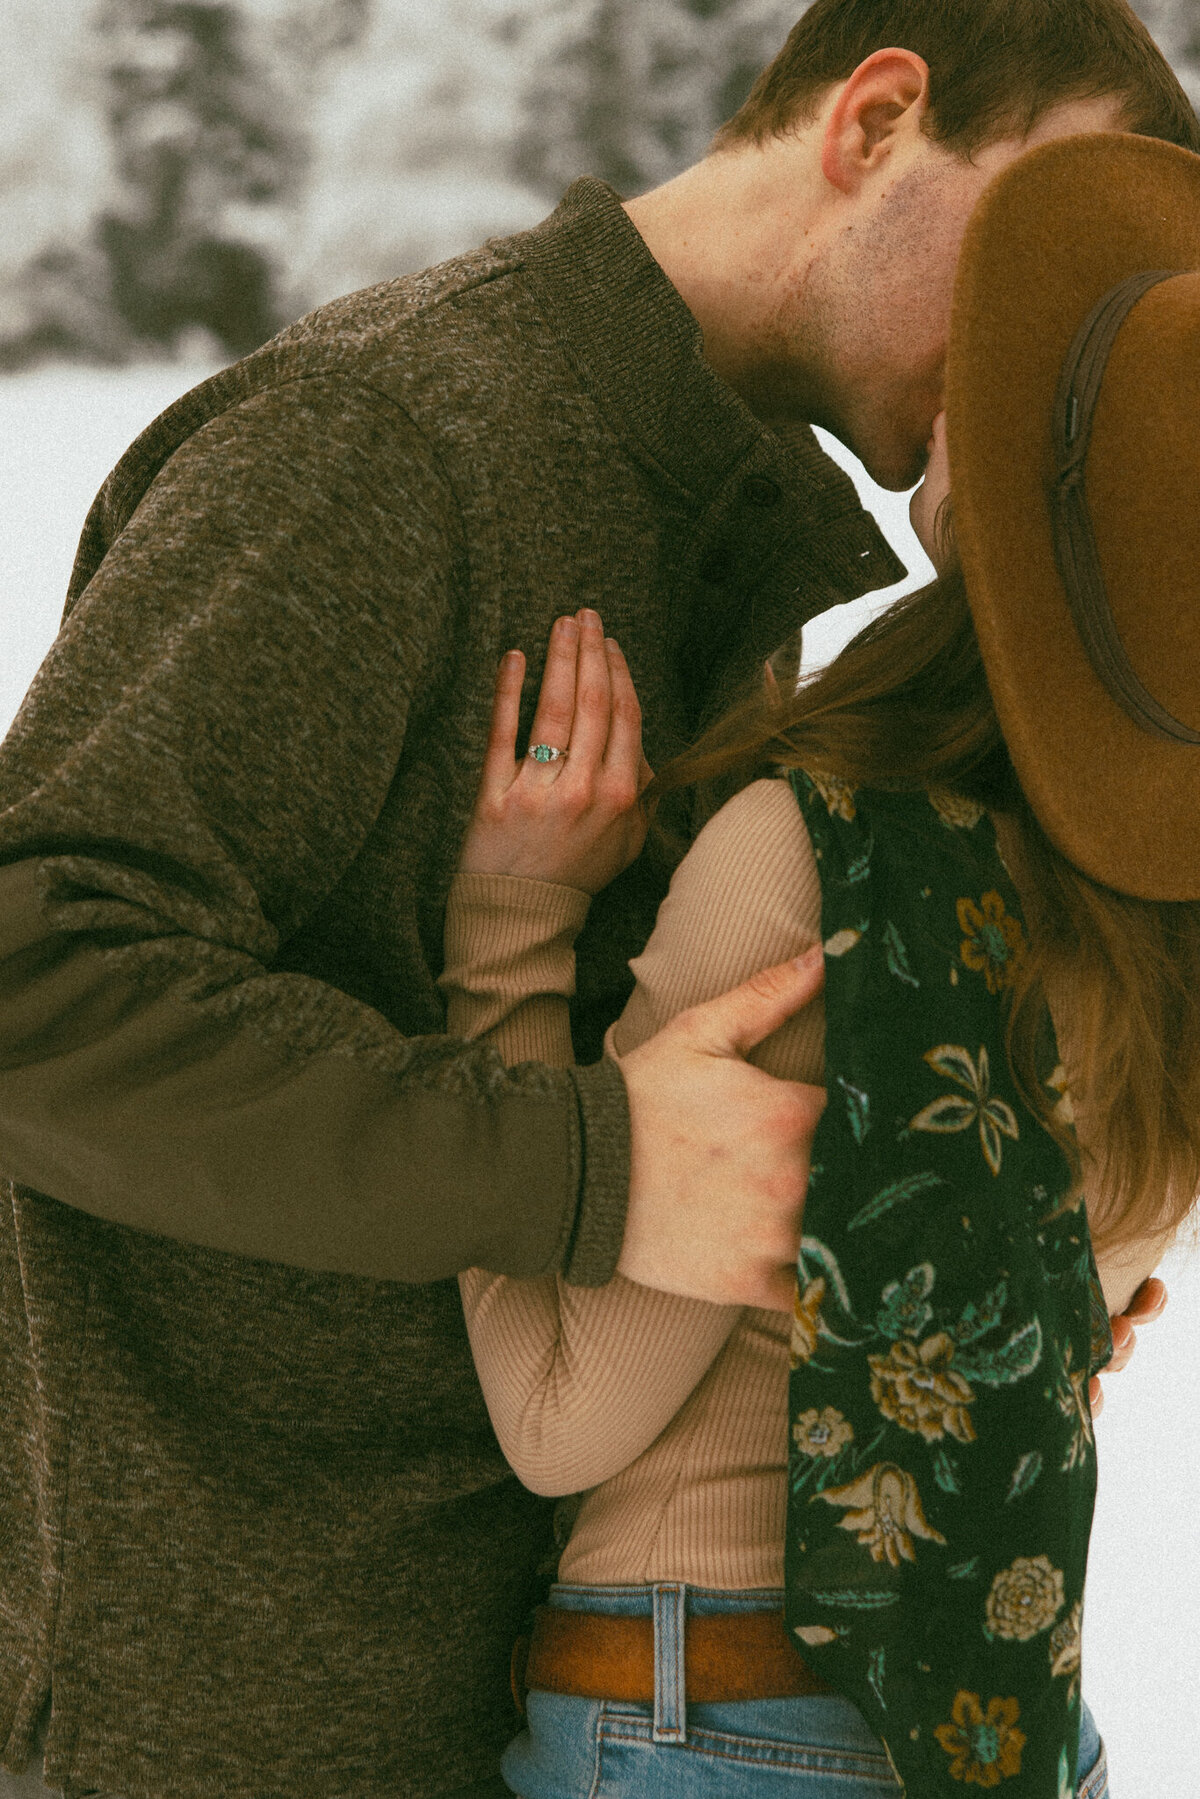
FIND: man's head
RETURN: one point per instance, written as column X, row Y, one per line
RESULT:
column 849, row 174
column 995, row 67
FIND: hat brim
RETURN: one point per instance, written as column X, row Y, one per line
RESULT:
column 1051, row 236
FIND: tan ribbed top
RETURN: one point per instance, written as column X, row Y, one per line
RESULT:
column 673, row 1412
column 670, row 1413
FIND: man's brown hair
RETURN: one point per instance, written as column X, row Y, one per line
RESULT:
column 995, row 67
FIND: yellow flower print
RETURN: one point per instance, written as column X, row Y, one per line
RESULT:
column 1024, row 1599
column 887, row 1513
column 823, row 1433
column 915, row 1386
column 806, row 1320
column 1073, row 1403
column 837, row 794
column 950, row 1113
column 954, row 809
column 1066, row 1648
column 994, row 943
column 983, row 1747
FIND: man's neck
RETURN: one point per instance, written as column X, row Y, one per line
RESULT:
column 736, row 235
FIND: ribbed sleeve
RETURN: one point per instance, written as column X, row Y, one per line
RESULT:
column 510, row 964
column 508, row 975
column 551, row 1355
column 673, row 1413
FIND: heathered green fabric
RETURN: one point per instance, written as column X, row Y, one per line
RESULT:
column 256, row 1527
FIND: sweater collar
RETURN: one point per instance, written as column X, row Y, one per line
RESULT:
column 639, row 351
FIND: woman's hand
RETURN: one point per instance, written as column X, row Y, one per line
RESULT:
column 1145, row 1306
column 578, row 821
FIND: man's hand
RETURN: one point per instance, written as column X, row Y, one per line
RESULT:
column 1145, row 1306
column 720, row 1150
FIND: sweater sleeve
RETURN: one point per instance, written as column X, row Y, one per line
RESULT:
column 580, row 1382
column 200, row 761
column 509, row 969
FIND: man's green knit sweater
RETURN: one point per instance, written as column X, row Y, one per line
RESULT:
column 256, row 1529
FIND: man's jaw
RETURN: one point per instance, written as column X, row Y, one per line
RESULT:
column 897, row 469
column 895, row 455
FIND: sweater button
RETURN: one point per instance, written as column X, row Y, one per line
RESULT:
column 760, row 490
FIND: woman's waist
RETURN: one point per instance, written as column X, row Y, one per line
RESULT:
column 712, row 1529
column 706, row 1501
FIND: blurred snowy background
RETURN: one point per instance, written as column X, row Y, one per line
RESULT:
column 197, row 172
column 179, row 178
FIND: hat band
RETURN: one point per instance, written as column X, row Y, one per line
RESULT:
column 1074, row 535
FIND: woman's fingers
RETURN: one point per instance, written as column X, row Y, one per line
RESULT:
column 1145, row 1306
column 623, row 755
column 555, row 712
column 1148, row 1302
column 593, row 699
column 587, row 705
column 1124, row 1343
column 499, row 762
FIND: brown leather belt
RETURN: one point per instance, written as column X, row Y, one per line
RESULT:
column 727, row 1655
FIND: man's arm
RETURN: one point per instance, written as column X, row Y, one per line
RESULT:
column 201, row 758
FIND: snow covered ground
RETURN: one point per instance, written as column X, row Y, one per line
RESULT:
column 61, row 429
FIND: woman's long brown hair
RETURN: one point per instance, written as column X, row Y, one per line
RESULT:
column 906, row 706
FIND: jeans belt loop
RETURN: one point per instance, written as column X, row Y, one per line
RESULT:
column 670, row 1675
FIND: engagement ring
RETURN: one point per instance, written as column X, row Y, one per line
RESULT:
column 545, row 752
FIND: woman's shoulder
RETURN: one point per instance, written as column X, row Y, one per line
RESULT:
column 745, row 897
column 756, row 847
column 763, row 812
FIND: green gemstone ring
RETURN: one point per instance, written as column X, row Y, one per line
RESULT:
column 545, row 752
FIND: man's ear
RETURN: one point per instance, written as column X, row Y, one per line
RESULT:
column 886, row 97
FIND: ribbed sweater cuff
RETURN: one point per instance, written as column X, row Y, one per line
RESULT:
column 492, row 920
column 594, row 1249
column 509, row 947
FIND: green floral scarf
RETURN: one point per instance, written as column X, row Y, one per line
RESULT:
column 948, row 1316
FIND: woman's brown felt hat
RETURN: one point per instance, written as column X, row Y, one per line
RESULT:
column 1061, row 561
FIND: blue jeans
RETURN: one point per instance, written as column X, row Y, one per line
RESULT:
column 813, row 1748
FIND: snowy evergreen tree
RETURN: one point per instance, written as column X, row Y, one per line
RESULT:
column 632, row 90
column 201, row 139
column 56, row 173
column 412, row 144
column 212, row 167
column 153, row 163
